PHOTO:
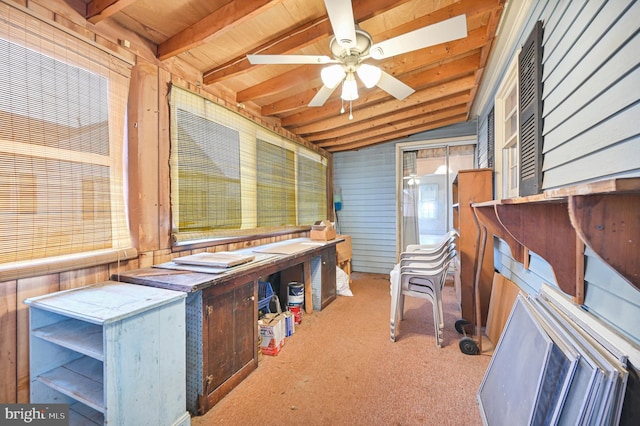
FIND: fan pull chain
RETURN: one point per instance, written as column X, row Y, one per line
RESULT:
column 342, row 108
column 350, row 110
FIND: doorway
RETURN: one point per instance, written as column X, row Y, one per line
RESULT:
column 427, row 173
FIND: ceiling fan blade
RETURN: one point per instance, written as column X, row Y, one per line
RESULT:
column 288, row 59
column 393, row 86
column 321, row 97
column 450, row 29
column 341, row 16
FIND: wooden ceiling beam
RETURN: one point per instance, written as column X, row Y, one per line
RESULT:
column 298, row 76
column 344, row 131
column 470, row 8
column 365, row 143
column 297, row 38
column 99, row 10
column 380, row 108
column 229, row 16
column 406, row 63
column 398, row 126
column 292, row 41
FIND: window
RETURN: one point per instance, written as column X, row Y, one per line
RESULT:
column 63, row 106
column 507, row 134
column 518, row 122
column 231, row 177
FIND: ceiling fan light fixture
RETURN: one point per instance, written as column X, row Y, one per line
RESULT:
column 349, row 88
column 369, row 74
column 332, row 75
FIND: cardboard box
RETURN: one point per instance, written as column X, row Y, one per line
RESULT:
column 272, row 329
column 323, row 231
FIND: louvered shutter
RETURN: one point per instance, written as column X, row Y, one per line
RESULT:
column 530, row 79
column 491, row 138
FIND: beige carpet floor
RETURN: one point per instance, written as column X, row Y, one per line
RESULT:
column 340, row 368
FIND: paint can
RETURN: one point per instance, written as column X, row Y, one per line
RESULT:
column 295, row 293
column 296, row 310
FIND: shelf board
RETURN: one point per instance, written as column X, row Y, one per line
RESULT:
column 81, row 415
column 602, row 215
column 79, row 336
column 80, row 379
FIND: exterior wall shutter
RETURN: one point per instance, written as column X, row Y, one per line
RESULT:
column 530, row 88
column 491, row 138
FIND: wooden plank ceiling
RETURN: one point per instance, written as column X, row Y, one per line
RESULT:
column 214, row 37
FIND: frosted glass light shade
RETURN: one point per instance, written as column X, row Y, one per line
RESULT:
column 349, row 88
column 369, row 74
column 332, row 75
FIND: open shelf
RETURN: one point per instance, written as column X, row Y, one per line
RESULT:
column 558, row 223
column 80, row 379
column 86, row 342
column 81, row 415
column 79, row 336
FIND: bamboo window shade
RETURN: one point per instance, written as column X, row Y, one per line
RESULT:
column 232, row 177
column 62, row 110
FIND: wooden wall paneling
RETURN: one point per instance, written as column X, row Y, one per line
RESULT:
column 145, row 260
column 125, row 265
column 164, row 151
column 44, row 12
column 166, row 255
column 143, row 158
column 8, row 342
column 26, row 288
column 83, row 277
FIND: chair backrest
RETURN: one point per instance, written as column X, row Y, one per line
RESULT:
column 414, row 260
column 437, row 246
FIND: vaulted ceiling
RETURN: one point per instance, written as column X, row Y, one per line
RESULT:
column 214, row 37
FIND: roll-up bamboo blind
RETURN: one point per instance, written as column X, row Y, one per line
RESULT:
column 232, row 177
column 62, row 135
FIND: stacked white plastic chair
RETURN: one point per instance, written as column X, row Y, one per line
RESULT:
column 422, row 273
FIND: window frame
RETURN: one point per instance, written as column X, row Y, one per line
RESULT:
column 251, row 134
column 507, row 146
column 55, row 44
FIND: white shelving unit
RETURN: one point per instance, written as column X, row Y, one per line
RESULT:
column 114, row 352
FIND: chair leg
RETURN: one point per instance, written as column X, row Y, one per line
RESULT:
column 393, row 310
column 440, row 311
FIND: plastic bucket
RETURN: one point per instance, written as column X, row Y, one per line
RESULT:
column 295, row 294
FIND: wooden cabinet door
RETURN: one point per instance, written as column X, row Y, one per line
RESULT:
column 244, row 314
column 230, row 316
column 328, row 276
column 220, row 352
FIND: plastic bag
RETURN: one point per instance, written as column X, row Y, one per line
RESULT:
column 342, row 283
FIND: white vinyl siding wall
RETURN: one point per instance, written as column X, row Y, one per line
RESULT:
column 368, row 183
column 368, row 215
column 591, row 81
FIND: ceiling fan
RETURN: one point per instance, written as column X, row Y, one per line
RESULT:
column 351, row 46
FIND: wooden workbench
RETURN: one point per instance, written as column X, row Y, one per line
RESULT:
column 222, row 309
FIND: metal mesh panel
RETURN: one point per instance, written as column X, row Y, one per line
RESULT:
column 194, row 350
